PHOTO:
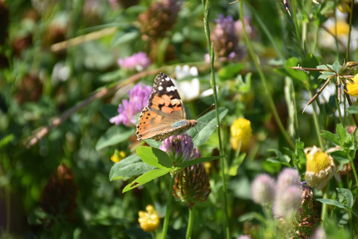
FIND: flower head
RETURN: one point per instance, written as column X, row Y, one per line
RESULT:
column 138, row 99
column 319, row 233
column 288, row 177
column 118, row 156
column 180, row 146
column 241, row 134
column 352, row 87
column 243, row 237
column 319, row 167
column 149, row 220
column 225, row 39
column 189, row 88
column 191, row 184
column 287, row 202
column 158, row 19
column 263, row 189
column 138, row 61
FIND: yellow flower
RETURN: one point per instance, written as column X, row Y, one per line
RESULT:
column 207, row 166
column 118, row 156
column 341, row 28
column 319, row 167
column 149, row 220
column 352, row 87
column 241, row 134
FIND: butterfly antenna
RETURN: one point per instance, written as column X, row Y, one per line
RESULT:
column 210, row 108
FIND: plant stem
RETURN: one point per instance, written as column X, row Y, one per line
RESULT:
column 350, row 31
column 223, row 164
column 316, row 126
column 324, row 206
column 257, row 64
column 168, row 210
column 354, row 171
column 189, row 228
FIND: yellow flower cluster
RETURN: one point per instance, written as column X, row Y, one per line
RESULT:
column 341, row 28
column 148, row 220
column 241, row 134
column 118, row 156
column 319, row 167
column 352, row 87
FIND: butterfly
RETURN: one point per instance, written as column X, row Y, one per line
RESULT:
column 164, row 116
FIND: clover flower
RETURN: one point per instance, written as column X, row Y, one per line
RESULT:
column 319, row 234
column 138, row 99
column 288, row 177
column 191, row 184
column 158, row 19
column 149, row 220
column 243, row 237
column 189, row 88
column 241, row 134
column 138, row 61
column 225, row 39
column 263, row 189
column 180, row 146
column 287, row 202
column 352, row 87
column 319, row 167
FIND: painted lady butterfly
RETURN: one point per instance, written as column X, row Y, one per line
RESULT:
column 164, row 116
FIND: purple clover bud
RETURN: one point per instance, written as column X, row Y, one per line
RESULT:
column 138, row 99
column 287, row 177
column 138, row 61
column 181, row 146
column 263, row 189
column 243, row 237
column 287, row 202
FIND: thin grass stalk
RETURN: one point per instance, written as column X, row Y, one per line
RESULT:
column 348, row 49
column 189, row 228
column 168, row 210
column 223, row 164
column 257, row 64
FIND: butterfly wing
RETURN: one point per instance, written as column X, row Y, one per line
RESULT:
column 164, row 109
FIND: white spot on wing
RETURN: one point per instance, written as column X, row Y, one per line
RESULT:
column 160, row 88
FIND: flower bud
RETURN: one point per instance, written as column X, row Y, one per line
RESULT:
column 263, row 189
column 241, row 134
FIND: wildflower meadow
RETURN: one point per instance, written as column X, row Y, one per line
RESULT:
column 159, row 119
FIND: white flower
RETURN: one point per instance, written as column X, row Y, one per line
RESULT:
column 187, row 82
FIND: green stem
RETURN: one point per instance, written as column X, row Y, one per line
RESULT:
column 168, row 210
column 316, row 126
column 257, row 64
column 354, row 172
column 189, row 229
column 223, row 163
column 350, row 31
column 324, row 206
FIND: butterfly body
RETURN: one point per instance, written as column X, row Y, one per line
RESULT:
column 164, row 116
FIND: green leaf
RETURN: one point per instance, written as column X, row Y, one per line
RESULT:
column 230, row 71
column 114, row 135
column 236, row 164
column 353, row 109
column 331, row 202
column 188, row 163
column 346, row 197
column 206, row 125
column 153, row 143
column 154, row 157
column 145, row 178
column 125, row 37
column 330, row 137
column 128, row 167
